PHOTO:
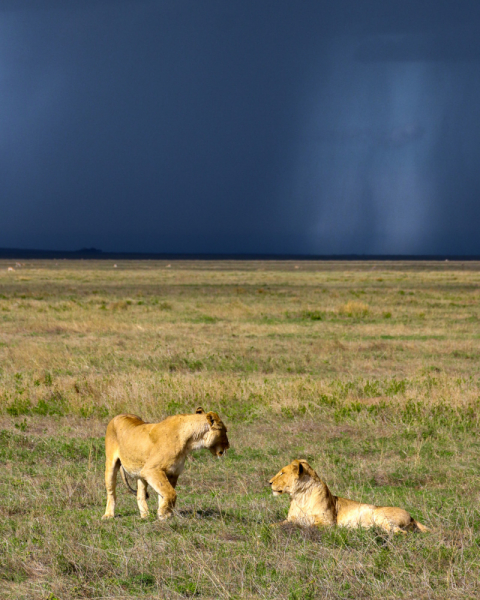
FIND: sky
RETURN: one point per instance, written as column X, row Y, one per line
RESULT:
column 272, row 126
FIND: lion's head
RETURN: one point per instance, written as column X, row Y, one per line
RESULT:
column 215, row 439
column 287, row 480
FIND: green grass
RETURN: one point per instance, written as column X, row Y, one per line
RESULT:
column 368, row 370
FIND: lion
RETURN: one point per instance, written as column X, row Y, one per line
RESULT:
column 154, row 454
column 312, row 503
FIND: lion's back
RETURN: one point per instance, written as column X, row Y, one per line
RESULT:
column 136, row 442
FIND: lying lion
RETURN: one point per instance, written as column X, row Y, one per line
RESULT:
column 154, row 454
column 312, row 503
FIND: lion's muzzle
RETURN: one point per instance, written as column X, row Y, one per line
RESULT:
column 275, row 492
column 220, row 451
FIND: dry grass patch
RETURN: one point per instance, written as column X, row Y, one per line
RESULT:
column 299, row 363
column 353, row 308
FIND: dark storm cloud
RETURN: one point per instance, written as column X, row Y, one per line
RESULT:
column 240, row 126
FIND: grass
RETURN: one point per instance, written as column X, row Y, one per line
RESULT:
column 368, row 370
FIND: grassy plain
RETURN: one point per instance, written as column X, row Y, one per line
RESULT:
column 368, row 370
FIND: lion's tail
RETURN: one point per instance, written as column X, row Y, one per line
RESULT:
column 421, row 527
column 127, row 483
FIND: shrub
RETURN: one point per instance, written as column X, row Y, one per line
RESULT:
column 312, row 315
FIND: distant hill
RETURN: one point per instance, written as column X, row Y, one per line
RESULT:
column 97, row 254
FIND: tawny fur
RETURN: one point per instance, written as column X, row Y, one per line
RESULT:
column 154, row 454
column 312, row 503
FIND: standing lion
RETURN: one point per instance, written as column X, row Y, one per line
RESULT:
column 154, row 454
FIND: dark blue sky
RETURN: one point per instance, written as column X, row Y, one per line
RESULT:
column 240, row 126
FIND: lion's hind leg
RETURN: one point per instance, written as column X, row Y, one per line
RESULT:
column 142, row 497
column 392, row 519
column 111, row 470
column 387, row 525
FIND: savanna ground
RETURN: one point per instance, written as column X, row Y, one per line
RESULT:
column 368, row 370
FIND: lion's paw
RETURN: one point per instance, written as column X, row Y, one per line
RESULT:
column 164, row 517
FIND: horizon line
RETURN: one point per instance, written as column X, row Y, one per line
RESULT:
column 97, row 254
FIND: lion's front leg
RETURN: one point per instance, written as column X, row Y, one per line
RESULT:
column 166, row 494
column 279, row 523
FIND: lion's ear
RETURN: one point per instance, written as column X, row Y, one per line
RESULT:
column 199, row 411
column 298, row 467
column 211, row 418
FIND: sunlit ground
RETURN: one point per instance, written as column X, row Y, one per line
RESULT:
column 368, row 370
